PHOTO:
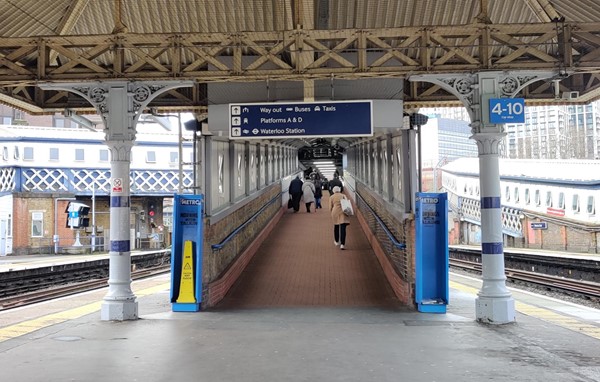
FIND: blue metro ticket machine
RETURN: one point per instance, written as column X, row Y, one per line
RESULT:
column 186, row 253
column 432, row 279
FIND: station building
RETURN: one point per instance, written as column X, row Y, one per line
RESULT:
column 43, row 169
column 546, row 204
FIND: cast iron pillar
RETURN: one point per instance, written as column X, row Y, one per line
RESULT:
column 120, row 104
column 494, row 304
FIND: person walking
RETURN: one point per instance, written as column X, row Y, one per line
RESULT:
column 318, row 192
column 296, row 192
column 308, row 193
column 340, row 220
column 335, row 182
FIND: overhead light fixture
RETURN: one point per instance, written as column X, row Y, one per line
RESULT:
column 317, row 162
column 197, row 126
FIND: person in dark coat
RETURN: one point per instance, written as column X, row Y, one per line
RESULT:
column 335, row 182
column 318, row 192
column 296, row 192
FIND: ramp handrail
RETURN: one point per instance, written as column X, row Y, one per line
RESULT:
column 216, row 247
column 385, row 229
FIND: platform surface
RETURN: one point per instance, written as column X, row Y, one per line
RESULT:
column 304, row 310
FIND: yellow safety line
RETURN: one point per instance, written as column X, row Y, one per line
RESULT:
column 30, row 326
column 547, row 315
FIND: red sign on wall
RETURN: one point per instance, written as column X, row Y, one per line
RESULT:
column 555, row 211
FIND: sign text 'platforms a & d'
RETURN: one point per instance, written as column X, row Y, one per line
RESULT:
column 301, row 120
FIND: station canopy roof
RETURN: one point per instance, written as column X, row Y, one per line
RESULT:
column 269, row 50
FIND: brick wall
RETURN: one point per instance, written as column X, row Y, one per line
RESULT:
column 559, row 237
column 222, row 267
column 398, row 265
column 454, row 234
column 580, row 241
column 25, row 203
column 23, row 241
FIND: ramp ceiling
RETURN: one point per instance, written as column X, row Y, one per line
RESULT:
column 257, row 50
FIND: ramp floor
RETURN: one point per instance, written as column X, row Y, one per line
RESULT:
column 299, row 265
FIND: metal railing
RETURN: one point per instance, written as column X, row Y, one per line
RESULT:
column 382, row 225
column 394, row 249
column 216, row 247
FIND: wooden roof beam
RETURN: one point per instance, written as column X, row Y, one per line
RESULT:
column 543, row 10
column 68, row 21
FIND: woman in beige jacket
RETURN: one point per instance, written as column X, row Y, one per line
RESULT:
column 340, row 220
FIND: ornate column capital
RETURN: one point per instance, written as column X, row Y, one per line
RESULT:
column 468, row 87
column 119, row 101
column 488, row 143
column 120, row 151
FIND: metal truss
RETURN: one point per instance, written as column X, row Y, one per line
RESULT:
column 571, row 49
column 7, row 179
column 470, row 211
column 86, row 181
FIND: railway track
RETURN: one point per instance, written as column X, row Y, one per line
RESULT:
column 74, row 288
column 45, row 276
column 579, row 288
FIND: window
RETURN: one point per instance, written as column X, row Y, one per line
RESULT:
column 5, row 153
column 37, row 224
column 516, row 194
column 9, row 226
column 537, row 198
column 575, row 204
column 527, row 196
column 53, row 154
column 591, row 208
column 79, row 155
column 59, row 122
column 7, row 120
column 103, row 155
column 221, row 174
column 173, row 157
column 561, row 200
column 151, row 157
column 548, row 198
column 17, row 155
column 28, row 153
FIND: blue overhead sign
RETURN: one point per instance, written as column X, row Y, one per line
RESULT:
column 301, row 120
column 507, row 110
